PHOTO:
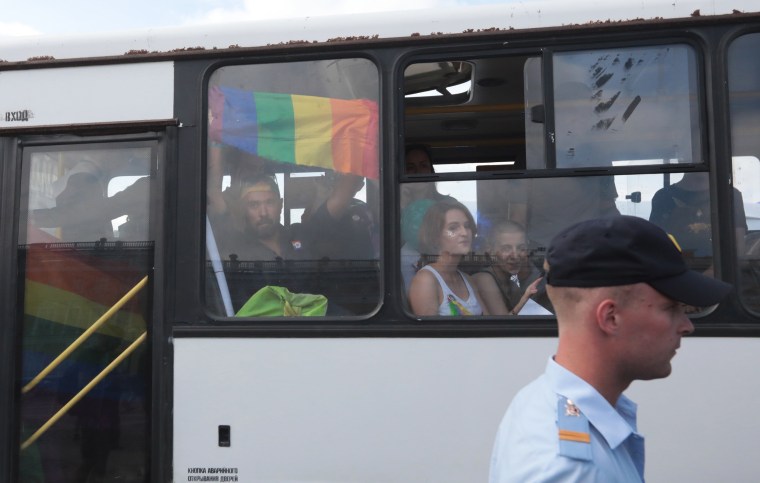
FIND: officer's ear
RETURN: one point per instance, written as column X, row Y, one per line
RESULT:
column 607, row 316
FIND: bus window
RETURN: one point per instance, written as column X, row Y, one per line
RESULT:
column 86, row 195
column 296, row 230
column 84, row 247
column 744, row 102
column 125, row 225
column 476, row 113
column 505, row 252
column 617, row 108
column 608, row 105
column 465, row 115
column 633, row 103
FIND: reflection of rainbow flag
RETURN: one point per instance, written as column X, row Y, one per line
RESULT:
column 66, row 290
column 314, row 131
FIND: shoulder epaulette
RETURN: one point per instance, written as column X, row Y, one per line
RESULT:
column 574, row 435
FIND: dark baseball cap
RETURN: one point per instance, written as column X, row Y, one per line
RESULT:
column 624, row 250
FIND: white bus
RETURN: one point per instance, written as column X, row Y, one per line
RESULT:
column 163, row 323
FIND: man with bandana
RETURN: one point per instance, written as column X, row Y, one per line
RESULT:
column 257, row 233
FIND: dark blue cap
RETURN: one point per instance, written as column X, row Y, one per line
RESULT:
column 624, row 250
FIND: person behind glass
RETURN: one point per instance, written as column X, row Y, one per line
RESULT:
column 342, row 227
column 257, row 233
column 511, row 280
column 411, row 220
column 417, row 160
column 415, row 200
column 83, row 211
column 683, row 210
column 619, row 286
column 439, row 287
column 246, row 216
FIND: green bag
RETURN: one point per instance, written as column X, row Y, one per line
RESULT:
column 272, row 301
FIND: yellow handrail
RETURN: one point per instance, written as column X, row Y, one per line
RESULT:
column 83, row 392
column 85, row 335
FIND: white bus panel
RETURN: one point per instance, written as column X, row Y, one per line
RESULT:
column 427, row 410
column 90, row 94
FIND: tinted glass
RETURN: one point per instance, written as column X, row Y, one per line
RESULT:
column 626, row 104
column 293, row 192
column 500, row 255
column 477, row 246
column 84, row 244
column 744, row 97
column 495, row 119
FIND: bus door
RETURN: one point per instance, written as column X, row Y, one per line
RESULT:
column 85, row 258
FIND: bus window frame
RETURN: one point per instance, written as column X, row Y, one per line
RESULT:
column 263, row 323
column 161, row 140
column 546, row 55
column 708, row 163
column 10, row 334
column 390, row 56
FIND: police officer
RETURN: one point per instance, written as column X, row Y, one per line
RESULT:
column 619, row 286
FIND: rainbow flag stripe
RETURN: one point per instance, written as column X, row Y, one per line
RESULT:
column 66, row 290
column 73, row 289
column 323, row 132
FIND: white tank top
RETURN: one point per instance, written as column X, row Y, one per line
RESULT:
column 453, row 305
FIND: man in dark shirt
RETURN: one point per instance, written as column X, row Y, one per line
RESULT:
column 249, row 231
column 260, row 236
column 341, row 228
column 683, row 210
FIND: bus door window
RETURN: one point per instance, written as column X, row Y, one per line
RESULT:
column 84, row 247
column 300, row 214
column 88, row 195
column 744, row 103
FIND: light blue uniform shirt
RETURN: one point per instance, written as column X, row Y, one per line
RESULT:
column 528, row 446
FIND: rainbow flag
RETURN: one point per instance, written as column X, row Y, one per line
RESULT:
column 67, row 290
column 323, row 132
column 456, row 308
